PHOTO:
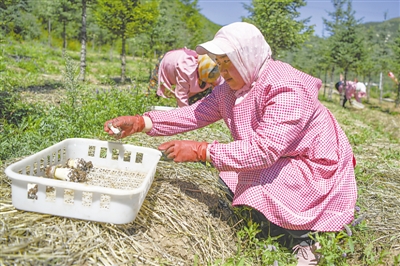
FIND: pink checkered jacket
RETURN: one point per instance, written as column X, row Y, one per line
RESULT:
column 290, row 159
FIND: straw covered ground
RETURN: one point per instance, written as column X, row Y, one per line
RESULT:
column 179, row 219
column 185, row 218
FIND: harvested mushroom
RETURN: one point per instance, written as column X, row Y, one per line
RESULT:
column 115, row 130
column 75, row 170
column 78, row 176
column 66, row 174
column 79, row 164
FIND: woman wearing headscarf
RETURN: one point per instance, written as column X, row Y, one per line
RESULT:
column 184, row 75
column 352, row 88
column 289, row 159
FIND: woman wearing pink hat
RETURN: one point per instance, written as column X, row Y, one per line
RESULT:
column 184, row 75
column 289, row 159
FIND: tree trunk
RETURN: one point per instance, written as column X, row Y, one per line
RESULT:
column 380, row 88
column 83, row 42
column 93, row 42
column 343, row 99
column 111, row 51
column 332, row 84
column 369, row 87
column 123, row 59
column 49, row 31
column 398, row 95
column 64, row 36
column 325, row 82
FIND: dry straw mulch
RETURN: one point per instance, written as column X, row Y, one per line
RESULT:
column 185, row 218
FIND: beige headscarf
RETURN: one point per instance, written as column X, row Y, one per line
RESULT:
column 245, row 46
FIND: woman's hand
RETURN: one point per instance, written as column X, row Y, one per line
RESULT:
column 185, row 150
column 126, row 125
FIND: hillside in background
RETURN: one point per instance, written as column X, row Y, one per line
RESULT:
column 210, row 27
column 392, row 26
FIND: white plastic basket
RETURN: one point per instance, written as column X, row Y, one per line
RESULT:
column 116, row 188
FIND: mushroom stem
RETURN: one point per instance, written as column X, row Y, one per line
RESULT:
column 115, row 130
column 58, row 172
column 63, row 173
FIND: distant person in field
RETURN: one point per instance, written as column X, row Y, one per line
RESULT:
column 184, row 75
column 352, row 89
column 289, row 160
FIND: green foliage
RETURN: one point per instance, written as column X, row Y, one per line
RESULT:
column 12, row 109
column 277, row 22
column 2, row 64
column 71, row 81
column 377, row 54
column 66, row 13
column 28, row 128
column 253, row 250
column 175, row 16
column 391, row 25
column 395, row 64
column 33, row 132
column 378, row 40
column 336, row 247
column 66, row 10
column 397, row 260
column 126, row 18
column 306, row 60
column 346, row 43
column 179, row 24
column 192, row 18
column 163, row 35
column 17, row 20
column 360, row 136
column 15, row 118
column 258, row 251
column 61, row 19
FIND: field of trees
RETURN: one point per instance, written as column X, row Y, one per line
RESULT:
column 67, row 66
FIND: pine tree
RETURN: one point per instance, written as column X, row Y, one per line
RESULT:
column 346, row 43
column 277, row 22
column 17, row 20
column 66, row 12
column 83, row 41
column 126, row 18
